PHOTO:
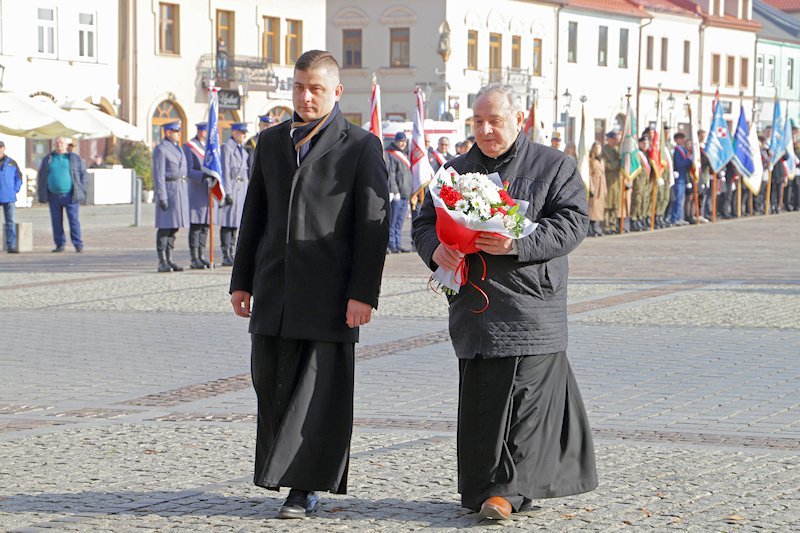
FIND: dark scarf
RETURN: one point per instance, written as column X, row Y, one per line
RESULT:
column 303, row 133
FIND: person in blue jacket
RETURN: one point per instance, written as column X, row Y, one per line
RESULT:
column 10, row 183
column 62, row 185
column 682, row 159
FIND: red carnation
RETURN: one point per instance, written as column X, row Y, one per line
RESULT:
column 449, row 196
column 506, row 198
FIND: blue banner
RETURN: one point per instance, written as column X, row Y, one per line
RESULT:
column 777, row 146
column 719, row 147
column 743, row 158
column 212, row 163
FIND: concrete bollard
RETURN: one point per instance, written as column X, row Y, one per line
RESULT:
column 24, row 237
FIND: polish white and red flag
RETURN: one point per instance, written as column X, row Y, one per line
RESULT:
column 375, row 111
column 421, row 168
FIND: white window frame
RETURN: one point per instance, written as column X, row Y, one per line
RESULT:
column 769, row 74
column 44, row 29
column 760, row 69
column 87, row 36
column 790, row 73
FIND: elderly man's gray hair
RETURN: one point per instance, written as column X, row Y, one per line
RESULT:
column 514, row 100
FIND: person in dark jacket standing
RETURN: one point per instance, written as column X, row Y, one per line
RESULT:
column 62, row 184
column 10, row 184
column 310, row 255
column 400, row 183
column 198, row 186
column 170, row 173
column 235, row 171
column 523, row 432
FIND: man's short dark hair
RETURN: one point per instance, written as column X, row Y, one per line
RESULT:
column 678, row 135
column 314, row 59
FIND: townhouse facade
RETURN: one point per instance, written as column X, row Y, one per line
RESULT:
column 169, row 51
column 448, row 48
column 60, row 52
column 777, row 73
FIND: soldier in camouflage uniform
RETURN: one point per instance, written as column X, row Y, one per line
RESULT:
column 613, row 163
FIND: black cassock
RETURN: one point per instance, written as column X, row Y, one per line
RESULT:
column 305, row 413
column 522, row 430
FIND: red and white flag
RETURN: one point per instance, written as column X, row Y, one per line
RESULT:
column 421, row 168
column 375, row 111
column 656, row 151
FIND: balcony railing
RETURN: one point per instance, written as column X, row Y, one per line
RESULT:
column 259, row 74
column 518, row 78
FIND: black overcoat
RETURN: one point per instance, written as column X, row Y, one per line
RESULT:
column 527, row 313
column 313, row 237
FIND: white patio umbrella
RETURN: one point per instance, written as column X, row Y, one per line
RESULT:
column 95, row 124
column 35, row 119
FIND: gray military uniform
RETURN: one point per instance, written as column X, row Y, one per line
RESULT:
column 169, row 177
column 198, row 202
column 235, row 172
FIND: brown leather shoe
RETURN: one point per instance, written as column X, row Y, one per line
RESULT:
column 496, row 508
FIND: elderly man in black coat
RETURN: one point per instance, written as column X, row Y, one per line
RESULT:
column 311, row 250
column 523, row 432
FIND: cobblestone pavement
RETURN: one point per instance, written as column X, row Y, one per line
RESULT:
column 125, row 400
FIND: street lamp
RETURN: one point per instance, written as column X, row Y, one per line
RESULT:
column 670, row 107
column 567, row 99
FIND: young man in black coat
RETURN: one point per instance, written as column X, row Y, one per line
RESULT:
column 523, row 432
column 310, row 256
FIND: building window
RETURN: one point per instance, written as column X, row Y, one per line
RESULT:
column 790, row 73
column 537, row 57
column 47, row 32
column 351, row 48
column 495, row 57
column 602, row 47
column 715, row 66
column 167, row 111
column 399, row 47
column 272, row 40
column 687, row 57
column 600, row 130
column 649, row 57
column 169, row 29
column 472, row 50
column 572, row 43
column 730, row 72
column 623, row 48
column 294, row 40
column 516, row 51
column 664, row 51
column 760, row 69
column 770, row 73
column 87, row 29
column 226, row 30
column 744, row 72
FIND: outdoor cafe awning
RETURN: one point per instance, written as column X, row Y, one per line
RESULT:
column 42, row 119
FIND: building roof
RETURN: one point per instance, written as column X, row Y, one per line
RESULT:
column 629, row 8
column 725, row 21
column 776, row 25
column 667, row 6
column 790, row 6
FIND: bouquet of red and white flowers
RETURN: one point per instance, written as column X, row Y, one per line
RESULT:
column 468, row 204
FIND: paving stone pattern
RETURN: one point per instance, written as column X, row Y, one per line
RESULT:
column 125, row 400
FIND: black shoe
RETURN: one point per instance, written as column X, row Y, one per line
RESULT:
column 227, row 260
column 196, row 264
column 163, row 266
column 299, row 504
column 527, row 505
column 403, row 250
column 79, row 249
column 174, row 266
column 58, row 249
column 12, row 251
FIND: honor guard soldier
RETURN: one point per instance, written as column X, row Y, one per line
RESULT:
column 264, row 122
column 198, row 186
column 235, row 172
column 169, row 177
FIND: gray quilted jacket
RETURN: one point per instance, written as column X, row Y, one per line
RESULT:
column 527, row 313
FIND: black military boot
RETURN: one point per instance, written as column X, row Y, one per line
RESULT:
column 171, row 264
column 227, row 258
column 195, row 263
column 201, row 256
column 162, row 264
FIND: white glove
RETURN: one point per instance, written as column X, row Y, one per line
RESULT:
column 688, row 185
column 660, row 182
column 395, row 197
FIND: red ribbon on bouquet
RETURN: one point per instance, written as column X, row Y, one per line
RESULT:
column 457, row 237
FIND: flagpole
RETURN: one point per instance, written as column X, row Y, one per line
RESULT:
column 741, row 180
column 622, row 178
column 653, row 198
column 696, row 173
column 714, row 197
column 767, row 198
column 210, row 230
